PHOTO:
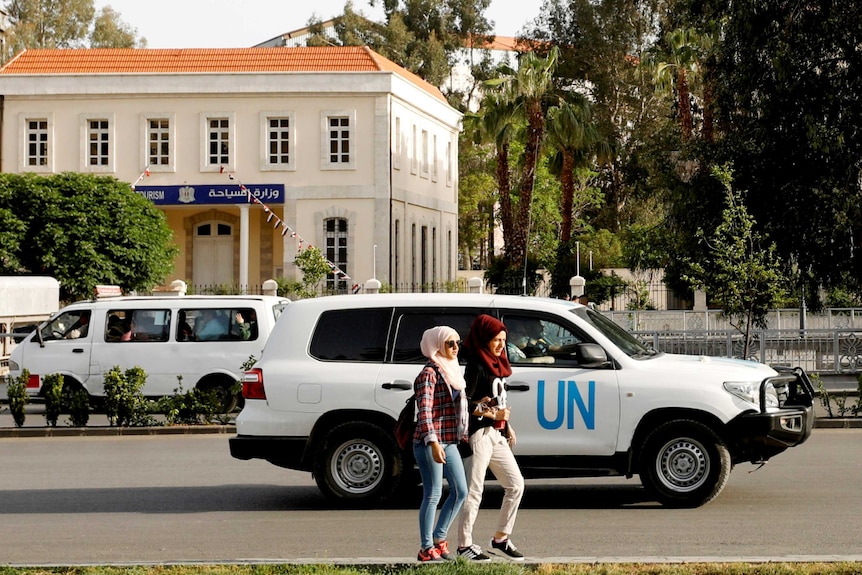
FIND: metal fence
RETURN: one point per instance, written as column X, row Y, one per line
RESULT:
column 823, row 351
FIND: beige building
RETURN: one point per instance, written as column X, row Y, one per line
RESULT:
column 337, row 147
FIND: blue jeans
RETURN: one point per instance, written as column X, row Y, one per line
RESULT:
column 432, row 489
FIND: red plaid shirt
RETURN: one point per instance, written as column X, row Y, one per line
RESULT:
column 436, row 412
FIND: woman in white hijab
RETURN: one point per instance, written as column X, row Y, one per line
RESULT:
column 441, row 417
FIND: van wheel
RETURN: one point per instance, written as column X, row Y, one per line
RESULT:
column 358, row 462
column 222, row 387
column 684, row 464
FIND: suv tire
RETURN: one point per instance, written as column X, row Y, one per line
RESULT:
column 684, row 464
column 358, row 461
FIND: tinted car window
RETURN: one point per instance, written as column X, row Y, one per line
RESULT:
column 137, row 325
column 412, row 324
column 216, row 324
column 351, row 335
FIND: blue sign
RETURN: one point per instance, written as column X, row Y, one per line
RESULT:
column 208, row 194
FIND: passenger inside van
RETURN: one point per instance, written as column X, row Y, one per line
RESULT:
column 213, row 325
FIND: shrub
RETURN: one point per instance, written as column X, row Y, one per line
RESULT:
column 78, row 404
column 52, row 387
column 16, row 392
column 125, row 404
column 191, row 407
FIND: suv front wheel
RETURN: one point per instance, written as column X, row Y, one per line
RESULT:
column 357, row 461
column 684, row 463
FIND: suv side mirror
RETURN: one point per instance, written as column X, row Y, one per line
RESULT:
column 591, row 355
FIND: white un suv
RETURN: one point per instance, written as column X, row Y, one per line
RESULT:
column 587, row 398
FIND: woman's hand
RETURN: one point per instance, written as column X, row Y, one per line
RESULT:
column 501, row 414
column 511, row 436
column 437, row 453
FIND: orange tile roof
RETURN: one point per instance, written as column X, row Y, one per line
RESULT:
column 207, row 60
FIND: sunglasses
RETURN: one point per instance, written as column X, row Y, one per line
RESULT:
column 452, row 344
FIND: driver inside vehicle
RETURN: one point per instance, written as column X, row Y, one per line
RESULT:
column 526, row 343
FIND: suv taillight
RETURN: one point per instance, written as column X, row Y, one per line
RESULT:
column 252, row 384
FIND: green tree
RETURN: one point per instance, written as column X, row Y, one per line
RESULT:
column 789, row 76
column 601, row 43
column 84, row 230
column 66, row 24
column 49, row 23
column 314, row 268
column 476, row 199
column 109, row 31
column 742, row 272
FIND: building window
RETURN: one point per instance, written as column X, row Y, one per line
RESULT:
column 218, row 141
column 424, row 164
column 449, row 255
column 449, row 163
column 278, row 141
column 399, row 148
column 158, row 142
column 434, row 255
column 397, row 246
column 339, row 140
column 337, row 149
column 37, row 142
column 423, row 254
column 98, row 143
column 413, row 256
column 414, row 152
column 434, row 160
column 335, row 236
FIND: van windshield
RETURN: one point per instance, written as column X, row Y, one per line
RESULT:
column 619, row 336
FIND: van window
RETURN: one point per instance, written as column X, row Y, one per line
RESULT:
column 217, row 324
column 122, row 325
column 412, row 324
column 73, row 324
column 351, row 335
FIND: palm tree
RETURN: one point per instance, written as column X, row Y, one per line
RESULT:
column 496, row 122
column 675, row 74
column 527, row 91
column 572, row 132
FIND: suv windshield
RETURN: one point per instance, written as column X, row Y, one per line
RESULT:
column 620, row 337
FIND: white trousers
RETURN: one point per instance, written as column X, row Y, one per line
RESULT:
column 490, row 451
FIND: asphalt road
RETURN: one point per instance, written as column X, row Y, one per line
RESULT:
column 182, row 498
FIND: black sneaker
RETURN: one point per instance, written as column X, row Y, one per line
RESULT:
column 506, row 548
column 473, row 553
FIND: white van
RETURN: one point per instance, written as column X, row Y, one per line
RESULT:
column 587, row 398
column 205, row 340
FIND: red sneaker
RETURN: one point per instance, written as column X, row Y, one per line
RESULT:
column 429, row 555
column 443, row 548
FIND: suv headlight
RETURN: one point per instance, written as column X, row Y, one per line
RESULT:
column 750, row 391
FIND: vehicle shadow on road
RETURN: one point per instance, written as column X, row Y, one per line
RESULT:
column 233, row 498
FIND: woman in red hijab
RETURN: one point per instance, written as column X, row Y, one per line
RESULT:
column 491, row 438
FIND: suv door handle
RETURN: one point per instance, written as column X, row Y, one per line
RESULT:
column 77, row 350
column 398, row 384
column 517, row 387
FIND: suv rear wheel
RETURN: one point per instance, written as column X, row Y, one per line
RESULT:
column 358, row 461
column 684, row 464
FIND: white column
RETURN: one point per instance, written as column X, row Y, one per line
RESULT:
column 243, row 248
